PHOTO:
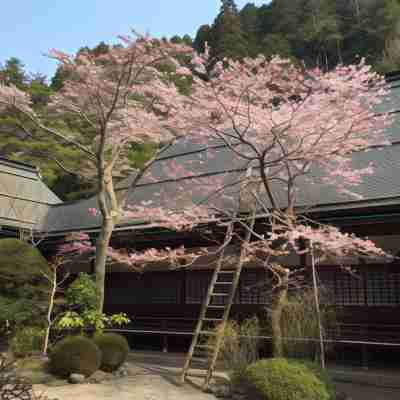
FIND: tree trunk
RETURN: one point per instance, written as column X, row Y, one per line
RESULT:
column 110, row 212
column 102, row 245
column 318, row 311
column 280, row 297
column 50, row 309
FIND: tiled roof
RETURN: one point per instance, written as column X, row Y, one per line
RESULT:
column 381, row 188
column 24, row 198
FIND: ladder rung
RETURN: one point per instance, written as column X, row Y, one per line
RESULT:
column 223, row 283
column 226, row 272
column 212, row 319
column 204, row 346
column 219, row 294
column 210, row 333
column 216, row 307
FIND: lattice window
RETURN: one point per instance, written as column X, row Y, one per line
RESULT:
column 349, row 289
column 383, row 289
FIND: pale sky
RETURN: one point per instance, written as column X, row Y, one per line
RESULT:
column 30, row 28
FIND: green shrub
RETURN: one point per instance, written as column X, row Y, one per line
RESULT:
column 75, row 354
column 280, row 379
column 23, row 291
column 27, row 341
column 82, row 293
column 239, row 347
column 114, row 350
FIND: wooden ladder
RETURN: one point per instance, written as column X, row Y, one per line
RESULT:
column 221, row 278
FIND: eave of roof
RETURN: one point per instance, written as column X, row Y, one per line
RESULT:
column 18, row 164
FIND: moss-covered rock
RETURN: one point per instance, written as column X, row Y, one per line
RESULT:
column 75, row 355
column 114, row 350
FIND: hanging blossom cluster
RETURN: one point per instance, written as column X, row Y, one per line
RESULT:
column 76, row 243
column 79, row 243
column 291, row 120
column 175, row 257
column 328, row 241
column 325, row 241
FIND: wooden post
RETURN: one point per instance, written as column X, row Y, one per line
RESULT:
column 165, row 336
column 317, row 309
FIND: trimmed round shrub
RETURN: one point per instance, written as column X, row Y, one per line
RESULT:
column 27, row 341
column 114, row 350
column 75, row 355
column 280, row 379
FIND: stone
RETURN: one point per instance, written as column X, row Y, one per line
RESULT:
column 57, row 383
column 121, row 372
column 100, row 376
column 76, row 378
column 221, row 391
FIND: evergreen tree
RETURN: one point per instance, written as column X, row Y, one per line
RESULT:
column 57, row 81
column 249, row 21
column 227, row 37
column 187, row 40
column 14, row 73
column 320, row 33
column 39, row 90
column 203, row 35
column 176, row 39
column 275, row 44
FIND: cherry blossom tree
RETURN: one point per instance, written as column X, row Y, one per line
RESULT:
column 296, row 128
column 292, row 127
column 108, row 102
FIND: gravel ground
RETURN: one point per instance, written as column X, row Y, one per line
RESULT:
column 147, row 384
column 151, row 377
column 154, row 376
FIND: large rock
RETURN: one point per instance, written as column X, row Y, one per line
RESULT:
column 76, row 378
column 121, row 372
